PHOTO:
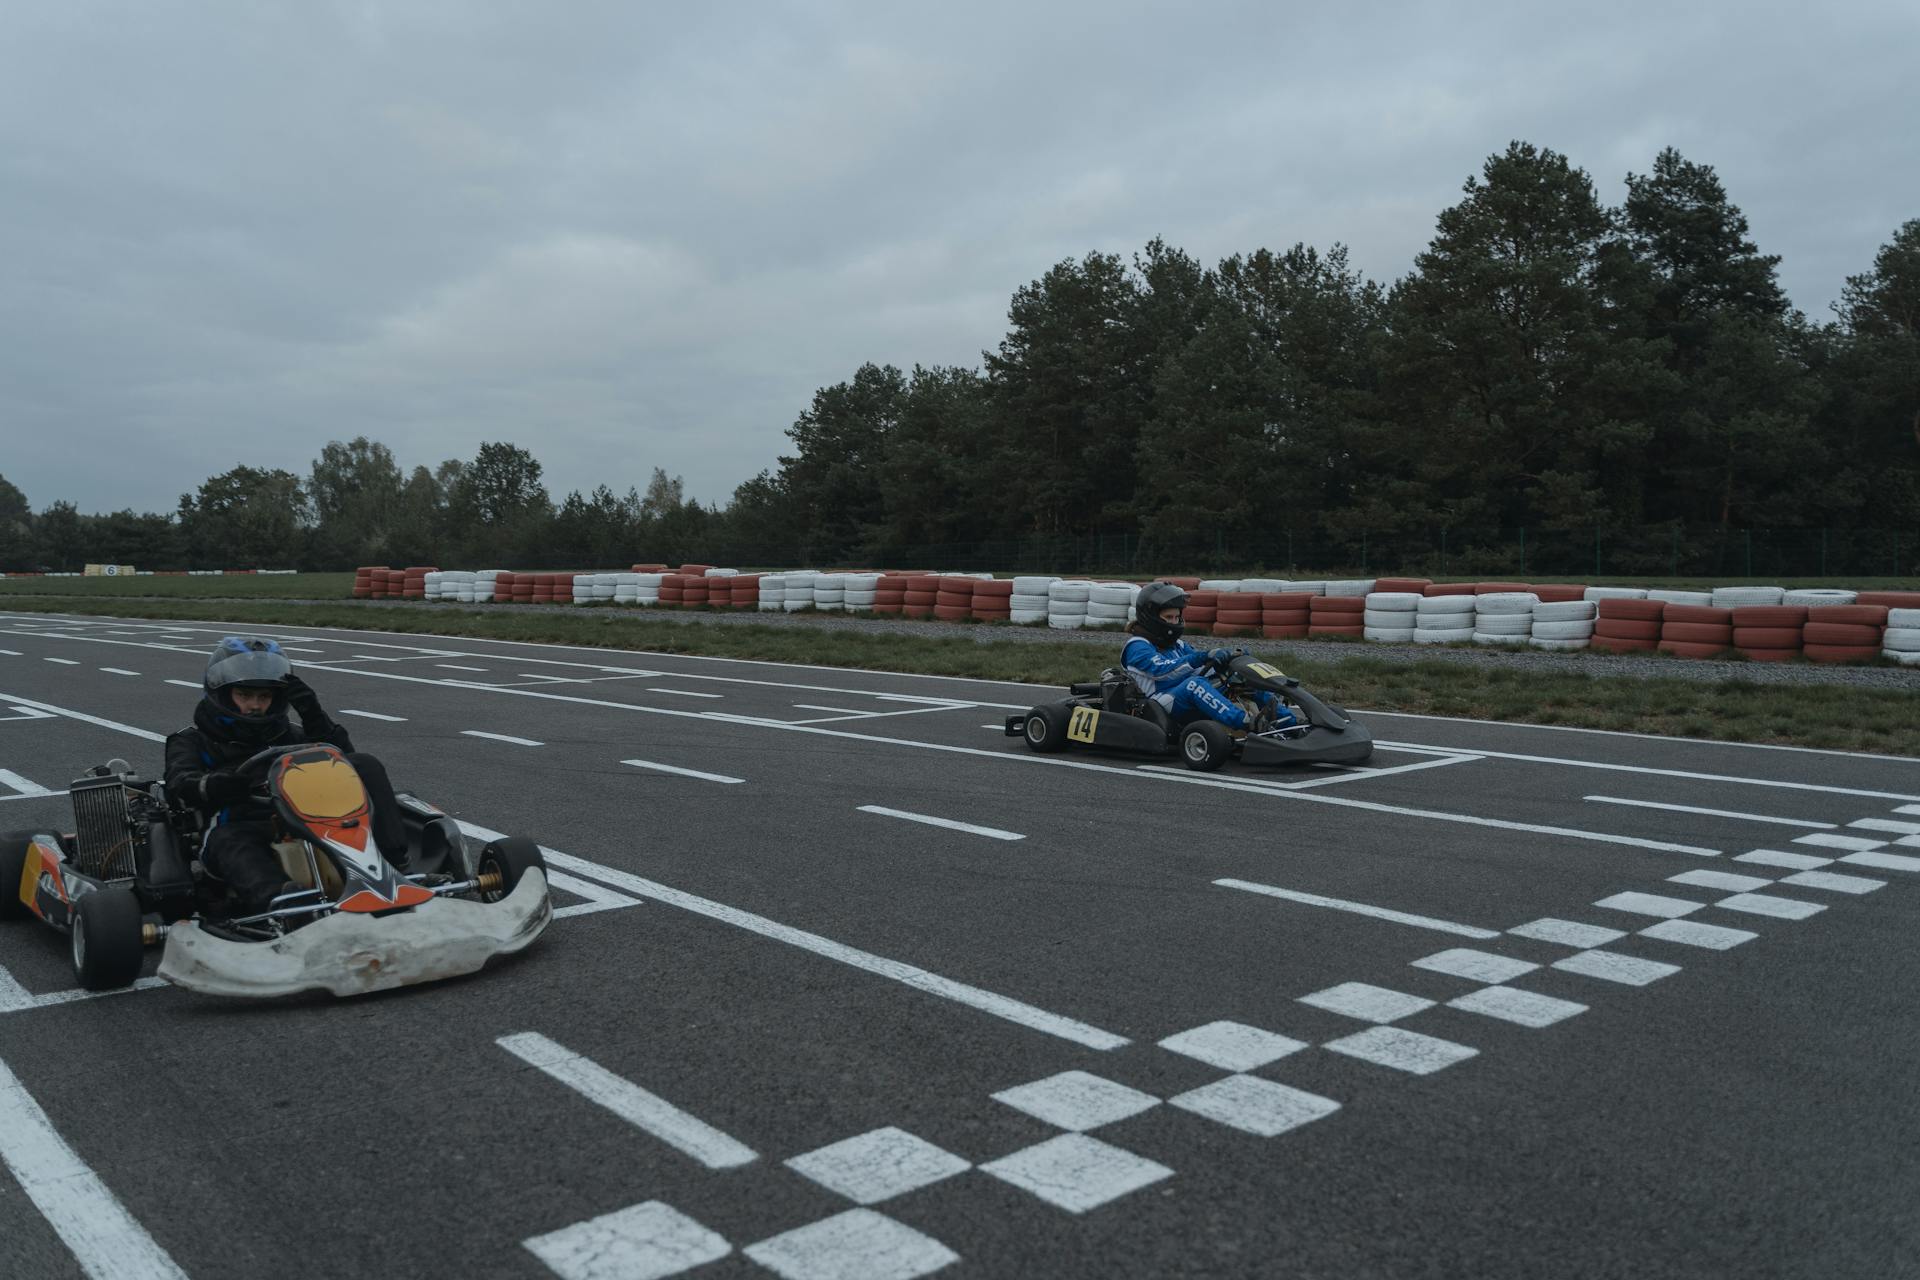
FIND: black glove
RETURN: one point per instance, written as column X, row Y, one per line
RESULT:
column 301, row 697
column 1220, row 657
column 224, row 786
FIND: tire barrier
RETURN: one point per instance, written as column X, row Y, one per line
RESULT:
column 1503, row 617
column 1695, row 630
column 1342, row 615
column 1628, row 624
column 993, row 599
column 1443, row 617
column 1390, row 616
column 1762, row 623
column 1845, row 632
column 1901, row 640
column 1067, row 603
column 1028, row 603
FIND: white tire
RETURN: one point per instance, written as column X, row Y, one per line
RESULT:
column 1564, row 611
column 1562, row 630
column 1309, row 588
column 1388, row 619
column 1112, row 594
column 1069, row 591
column 1820, row 595
column 1445, row 607
column 1389, row 635
column 1504, row 603
column 1351, row 587
column 1681, row 597
column 1485, row 637
column 1616, row 593
column 1220, row 584
column 1903, row 617
column 1263, row 586
column 1033, row 585
column 1902, row 657
column 1393, row 601
column 1098, row 613
column 1562, row 646
column 1066, row 621
column 1028, row 615
column 1028, row 602
column 1441, row 635
column 1901, row 639
column 1502, row 624
column 1736, row 597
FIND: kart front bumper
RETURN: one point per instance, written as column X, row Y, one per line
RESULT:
column 1318, row 745
column 351, row 954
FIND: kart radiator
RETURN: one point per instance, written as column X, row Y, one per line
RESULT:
column 105, row 835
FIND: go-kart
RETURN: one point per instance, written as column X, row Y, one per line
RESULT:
column 1112, row 713
column 349, row 922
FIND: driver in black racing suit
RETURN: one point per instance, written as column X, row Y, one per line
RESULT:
column 249, row 687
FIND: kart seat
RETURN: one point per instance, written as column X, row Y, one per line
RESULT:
column 1158, row 714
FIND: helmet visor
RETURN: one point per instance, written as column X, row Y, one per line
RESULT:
column 259, row 667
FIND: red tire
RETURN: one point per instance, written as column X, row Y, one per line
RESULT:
column 1202, row 599
column 917, row 610
column 1297, row 631
column 1633, row 610
column 1559, row 592
column 1201, row 617
column 1696, row 633
column 1871, row 615
column 1239, row 617
column 1842, row 652
column 1890, row 599
column 1698, row 613
column 1771, row 655
column 1447, row 589
column 1234, row 629
column 1681, row 649
column 1841, row 634
column 1321, row 606
column 953, row 612
column 1286, row 618
column 1317, row 631
column 1770, row 615
column 1767, row 638
column 1291, row 602
column 993, row 589
column 1185, row 584
column 1622, row 644
column 1625, row 629
column 1414, row 585
column 927, row 583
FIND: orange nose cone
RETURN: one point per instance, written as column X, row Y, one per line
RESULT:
column 407, row 895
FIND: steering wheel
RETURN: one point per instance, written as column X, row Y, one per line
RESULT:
column 256, row 764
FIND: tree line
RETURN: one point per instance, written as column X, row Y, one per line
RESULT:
column 1550, row 363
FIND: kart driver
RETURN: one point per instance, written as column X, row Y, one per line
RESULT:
column 1169, row 671
column 249, row 687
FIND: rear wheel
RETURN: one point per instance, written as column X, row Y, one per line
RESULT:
column 108, row 943
column 1046, row 729
column 1205, row 745
column 13, row 865
column 503, row 862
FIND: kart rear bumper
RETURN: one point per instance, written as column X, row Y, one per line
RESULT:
column 351, row 954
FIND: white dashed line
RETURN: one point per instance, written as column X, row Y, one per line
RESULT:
column 1857, row 843
column 104, row 1238
column 685, row 773
column 1361, row 908
column 1887, row 824
column 645, row 1111
column 11, row 653
column 1884, row 861
column 992, row 833
column 119, row 671
column 1712, row 813
column 186, row 684
column 22, row 786
column 687, row 693
column 65, row 662
column 501, row 737
column 372, row 715
column 454, row 666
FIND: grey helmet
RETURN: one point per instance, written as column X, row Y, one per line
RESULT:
column 247, row 662
column 1154, row 597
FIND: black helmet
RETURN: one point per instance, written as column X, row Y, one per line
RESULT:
column 1154, row 597
column 245, row 662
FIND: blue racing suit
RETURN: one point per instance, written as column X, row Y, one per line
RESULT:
column 1171, row 677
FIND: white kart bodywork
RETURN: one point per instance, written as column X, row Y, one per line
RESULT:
column 350, row 954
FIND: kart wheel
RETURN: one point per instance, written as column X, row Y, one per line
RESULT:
column 13, row 865
column 107, row 943
column 1046, row 729
column 503, row 862
column 1205, row 745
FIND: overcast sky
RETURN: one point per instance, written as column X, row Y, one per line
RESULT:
column 630, row 235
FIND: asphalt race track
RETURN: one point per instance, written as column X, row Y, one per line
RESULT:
column 847, row 983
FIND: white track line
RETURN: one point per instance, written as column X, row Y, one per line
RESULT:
column 106, row 1240
column 455, row 667
column 999, row 1006
column 687, row 693
column 84, row 718
column 649, row 1112
column 685, row 773
column 65, row 662
column 1362, row 909
column 993, row 833
column 1713, row 813
column 23, row 786
column 371, row 715
column 501, row 737
column 598, row 896
column 1661, row 773
column 119, row 671
column 187, row 684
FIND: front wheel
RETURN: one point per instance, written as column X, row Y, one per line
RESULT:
column 108, row 939
column 1205, row 745
column 503, row 862
column 1046, row 729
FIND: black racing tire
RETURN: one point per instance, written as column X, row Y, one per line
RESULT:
column 1205, row 745
column 1045, row 729
column 108, row 943
column 509, row 858
column 13, row 865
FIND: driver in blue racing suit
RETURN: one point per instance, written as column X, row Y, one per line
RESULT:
column 247, row 692
column 1171, row 672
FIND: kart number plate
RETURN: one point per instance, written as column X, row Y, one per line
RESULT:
column 1080, row 727
column 1266, row 672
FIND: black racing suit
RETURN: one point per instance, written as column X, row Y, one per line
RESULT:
column 239, row 846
